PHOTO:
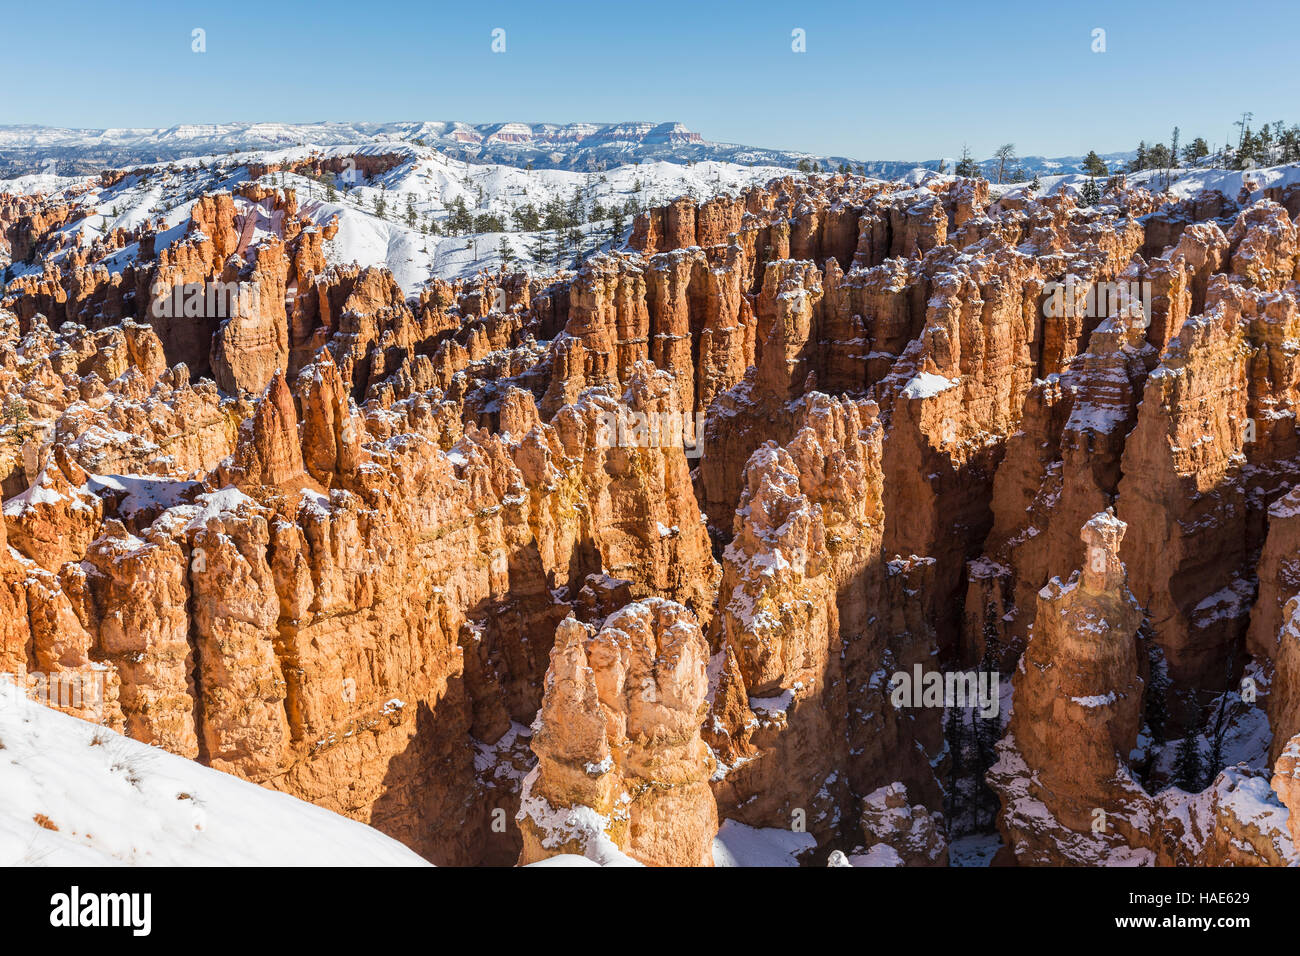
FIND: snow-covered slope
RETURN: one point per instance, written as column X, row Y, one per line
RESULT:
column 429, row 184
column 1183, row 183
column 73, row 794
column 740, row 845
column 420, row 191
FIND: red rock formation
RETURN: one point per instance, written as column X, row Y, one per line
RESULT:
column 621, row 765
column 911, row 835
column 1068, row 794
column 795, row 612
column 326, row 541
column 1076, row 714
column 272, row 453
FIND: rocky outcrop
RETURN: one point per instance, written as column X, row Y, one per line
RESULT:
column 272, row 451
column 800, row 629
column 1076, row 713
column 458, row 564
column 896, row 834
column 54, row 521
column 1068, row 792
column 252, row 341
column 621, row 766
column 1286, row 782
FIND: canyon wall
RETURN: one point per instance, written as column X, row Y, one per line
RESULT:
column 522, row 566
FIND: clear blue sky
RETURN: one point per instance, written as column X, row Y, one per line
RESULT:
column 898, row 81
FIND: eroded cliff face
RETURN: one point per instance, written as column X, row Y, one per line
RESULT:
column 587, row 563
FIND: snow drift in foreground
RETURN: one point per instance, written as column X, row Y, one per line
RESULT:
column 74, row 794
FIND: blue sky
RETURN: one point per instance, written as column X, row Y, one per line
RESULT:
column 903, row 81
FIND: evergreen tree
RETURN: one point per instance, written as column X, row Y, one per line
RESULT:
column 570, row 241
column 1195, row 150
column 1289, row 140
column 987, row 730
column 1140, row 160
column 1188, row 769
column 1093, row 164
column 543, row 249
column 505, row 253
column 966, row 166
column 489, row 222
column 1035, row 184
column 956, row 736
column 526, row 218
column 15, row 411
column 330, row 194
column 410, row 212
column 1156, row 702
column 1244, row 123
column 1247, row 150
column 460, row 221
column 1230, row 708
column 1216, row 757
column 553, row 218
column 1089, row 193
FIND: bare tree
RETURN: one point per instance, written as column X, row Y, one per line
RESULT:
column 1244, row 124
column 1167, row 177
column 1005, row 155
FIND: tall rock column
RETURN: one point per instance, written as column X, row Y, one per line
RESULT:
column 798, row 630
column 621, row 766
column 1067, row 796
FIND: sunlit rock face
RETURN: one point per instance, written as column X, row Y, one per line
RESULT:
column 603, row 561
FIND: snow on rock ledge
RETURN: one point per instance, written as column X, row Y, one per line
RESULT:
column 927, row 384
